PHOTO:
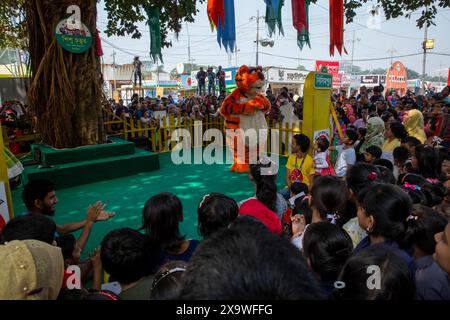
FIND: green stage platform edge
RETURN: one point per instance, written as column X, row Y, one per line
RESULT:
column 51, row 156
column 90, row 163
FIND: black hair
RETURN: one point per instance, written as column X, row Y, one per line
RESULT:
column 167, row 281
column 328, row 195
column 253, row 264
column 266, row 187
column 434, row 192
column 352, row 135
column 36, row 190
column 384, row 163
column 429, row 161
column 123, row 255
column 299, row 187
column 161, row 216
column 362, row 131
column 344, row 117
column 323, row 144
column 386, row 115
column 375, row 151
column 302, row 207
column 29, row 226
column 396, row 282
column 327, row 247
column 67, row 243
column 302, row 141
column 401, row 154
column 411, row 141
column 215, row 212
column 390, row 206
column 385, row 175
column 360, row 176
column 398, row 130
column 422, row 227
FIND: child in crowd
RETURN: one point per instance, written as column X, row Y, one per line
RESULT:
column 300, row 165
column 299, row 192
column 346, row 153
column 326, row 248
column 383, row 212
column 167, row 281
column 372, row 153
column 124, row 258
column 410, row 143
column 322, row 163
column 401, row 157
column 432, row 283
column 328, row 198
column 267, row 206
column 162, row 215
column 245, row 262
column 442, row 255
column 396, row 280
column 215, row 212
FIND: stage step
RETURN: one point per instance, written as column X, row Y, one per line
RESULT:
column 66, row 175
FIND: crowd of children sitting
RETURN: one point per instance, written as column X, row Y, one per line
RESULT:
column 366, row 217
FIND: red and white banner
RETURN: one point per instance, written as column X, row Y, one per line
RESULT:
column 4, row 212
column 333, row 69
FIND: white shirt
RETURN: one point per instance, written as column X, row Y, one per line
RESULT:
column 346, row 158
column 320, row 161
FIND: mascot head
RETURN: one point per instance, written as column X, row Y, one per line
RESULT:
column 250, row 79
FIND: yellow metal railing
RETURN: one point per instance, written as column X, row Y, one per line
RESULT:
column 159, row 132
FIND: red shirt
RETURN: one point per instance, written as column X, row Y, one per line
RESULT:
column 256, row 209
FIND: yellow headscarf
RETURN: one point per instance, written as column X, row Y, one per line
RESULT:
column 414, row 125
column 30, row 270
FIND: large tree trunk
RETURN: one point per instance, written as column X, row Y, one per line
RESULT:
column 66, row 88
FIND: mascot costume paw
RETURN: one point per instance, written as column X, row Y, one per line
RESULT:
column 245, row 109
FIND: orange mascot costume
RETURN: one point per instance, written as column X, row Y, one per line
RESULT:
column 245, row 109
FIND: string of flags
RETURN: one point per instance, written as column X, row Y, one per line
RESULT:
column 221, row 15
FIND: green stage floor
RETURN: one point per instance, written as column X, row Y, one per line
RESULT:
column 127, row 196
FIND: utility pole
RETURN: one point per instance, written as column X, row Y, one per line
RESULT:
column 424, row 53
column 353, row 51
column 392, row 51
column 257, row 37
column 189, row 47
column 114, row 71
column 257, row 34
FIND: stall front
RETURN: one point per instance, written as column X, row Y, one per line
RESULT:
column 292, row 79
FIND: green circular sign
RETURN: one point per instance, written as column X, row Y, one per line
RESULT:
column 73, row 38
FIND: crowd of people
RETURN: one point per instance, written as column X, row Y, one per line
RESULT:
column 367, row 217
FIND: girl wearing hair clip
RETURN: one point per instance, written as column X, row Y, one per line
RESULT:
column 326, row 202
column 383, row 212
column 166, row 282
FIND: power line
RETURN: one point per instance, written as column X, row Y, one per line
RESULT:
column 358, row 60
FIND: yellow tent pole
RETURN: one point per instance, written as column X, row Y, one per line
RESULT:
column 4, row 176
column 336, row 121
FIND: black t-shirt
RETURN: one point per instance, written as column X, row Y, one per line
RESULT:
column 201, row 76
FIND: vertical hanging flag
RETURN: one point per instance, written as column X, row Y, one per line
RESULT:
column 337, row 26
column 216, row 13
column 226, row 34
column 98, row 44
column 300, row 18
column 155, row 32
column 273, row 16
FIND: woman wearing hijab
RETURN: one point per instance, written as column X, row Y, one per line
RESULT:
column 413, row 122
column 374, row 135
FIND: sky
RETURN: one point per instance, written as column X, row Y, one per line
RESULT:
column 400, row 35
